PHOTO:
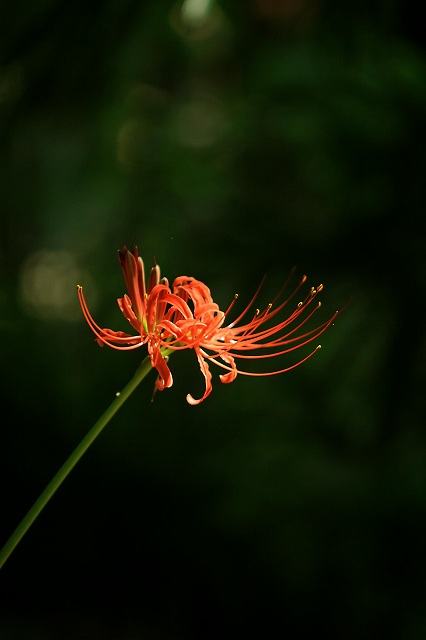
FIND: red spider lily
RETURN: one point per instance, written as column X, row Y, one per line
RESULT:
column 186, row 317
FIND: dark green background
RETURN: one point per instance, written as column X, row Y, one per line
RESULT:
column 260, row 135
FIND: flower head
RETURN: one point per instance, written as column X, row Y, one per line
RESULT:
column 184, row 316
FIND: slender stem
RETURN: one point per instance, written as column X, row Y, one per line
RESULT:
column 57, row 480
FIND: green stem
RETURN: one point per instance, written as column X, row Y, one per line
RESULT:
column 57, row 480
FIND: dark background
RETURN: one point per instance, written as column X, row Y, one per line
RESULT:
column 228, row 139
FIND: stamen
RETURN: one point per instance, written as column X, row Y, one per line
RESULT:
column 265, row 313
column 232, row 304
column 243, row 313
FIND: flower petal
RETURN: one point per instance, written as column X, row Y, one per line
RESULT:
column 125, row 305
column 226, row 378
column 165, row 379
column 204, row 367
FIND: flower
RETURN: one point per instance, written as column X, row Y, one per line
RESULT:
column 184, row 316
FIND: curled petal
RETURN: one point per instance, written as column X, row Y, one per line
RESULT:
column 204, row 367
column 177, row 304
column 165, row 379
column 226, row 378
column 156, row 306
column 195, row 290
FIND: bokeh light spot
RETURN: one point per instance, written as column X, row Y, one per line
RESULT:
column 48, row 285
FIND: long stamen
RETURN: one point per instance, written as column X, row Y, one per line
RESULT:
column 266, row 333
column 231, row 304
column 244, row 312
column 101, row 333
column 265, row 373
column 299, row 341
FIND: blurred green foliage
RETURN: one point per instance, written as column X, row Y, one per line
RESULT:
column 228, row 140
